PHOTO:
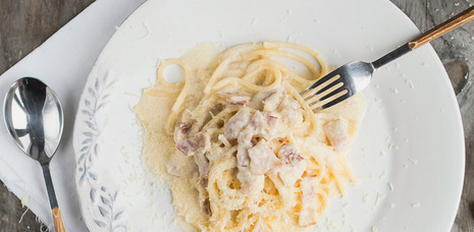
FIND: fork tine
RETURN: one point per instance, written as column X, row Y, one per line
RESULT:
column 317, row 104
column 334, row 92
column 321, row 81
column 316, row 98
column 337, row 100
column 316, row 91
column 329, row 86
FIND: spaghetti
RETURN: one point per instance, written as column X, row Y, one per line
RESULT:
column 243, row 151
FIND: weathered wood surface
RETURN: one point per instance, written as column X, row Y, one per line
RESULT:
column 25, row 24
column 458, row 45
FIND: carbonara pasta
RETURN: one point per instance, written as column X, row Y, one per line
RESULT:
column 239, row 147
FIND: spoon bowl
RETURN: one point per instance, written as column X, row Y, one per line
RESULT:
column 34, row 118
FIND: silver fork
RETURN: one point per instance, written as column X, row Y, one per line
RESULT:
column 352, row 78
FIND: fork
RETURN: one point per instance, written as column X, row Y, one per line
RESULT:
column 353, row 77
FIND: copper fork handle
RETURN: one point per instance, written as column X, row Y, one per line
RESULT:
column 443, row 28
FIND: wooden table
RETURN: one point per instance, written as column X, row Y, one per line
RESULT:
column 25, row 24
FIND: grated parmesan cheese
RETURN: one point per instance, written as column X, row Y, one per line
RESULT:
column 414, row 161
column 374, row 229
column 390, row 186
column 415, row 205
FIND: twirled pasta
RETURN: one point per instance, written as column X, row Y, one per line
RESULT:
column 273, row 170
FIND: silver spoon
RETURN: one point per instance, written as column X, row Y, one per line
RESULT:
column 34, row 118
column 458, row 73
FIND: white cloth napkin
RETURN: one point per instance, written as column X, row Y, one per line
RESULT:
column 63, row 62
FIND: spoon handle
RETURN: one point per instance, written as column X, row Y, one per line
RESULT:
column 58, row 221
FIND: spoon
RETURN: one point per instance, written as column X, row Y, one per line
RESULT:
column 458, row 73
column 34, row 118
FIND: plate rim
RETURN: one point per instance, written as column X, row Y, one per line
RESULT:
column 452, row 98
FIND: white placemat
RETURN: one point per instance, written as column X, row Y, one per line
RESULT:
column 63, row 62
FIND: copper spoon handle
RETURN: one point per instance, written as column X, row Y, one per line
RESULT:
column 58, row 221
column 443, row 28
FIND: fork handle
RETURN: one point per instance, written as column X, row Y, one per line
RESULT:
column 427, row 37
column 443, row 28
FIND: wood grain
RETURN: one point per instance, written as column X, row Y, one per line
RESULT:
column 25, row 24
column 458, row 45
column 58, row 221
column 444, row 28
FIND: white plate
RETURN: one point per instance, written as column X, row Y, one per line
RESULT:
column 411, row 138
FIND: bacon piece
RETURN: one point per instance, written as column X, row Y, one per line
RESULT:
column 236, row 123
column 202, row 163
column 337, row 132
column 262, row 158
column 259, row 123
column 243, row 159
column 291, row 111
column 292, row 165
column 256, row 126
column 198, row 143
column 289, row 155
column 181, row 131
